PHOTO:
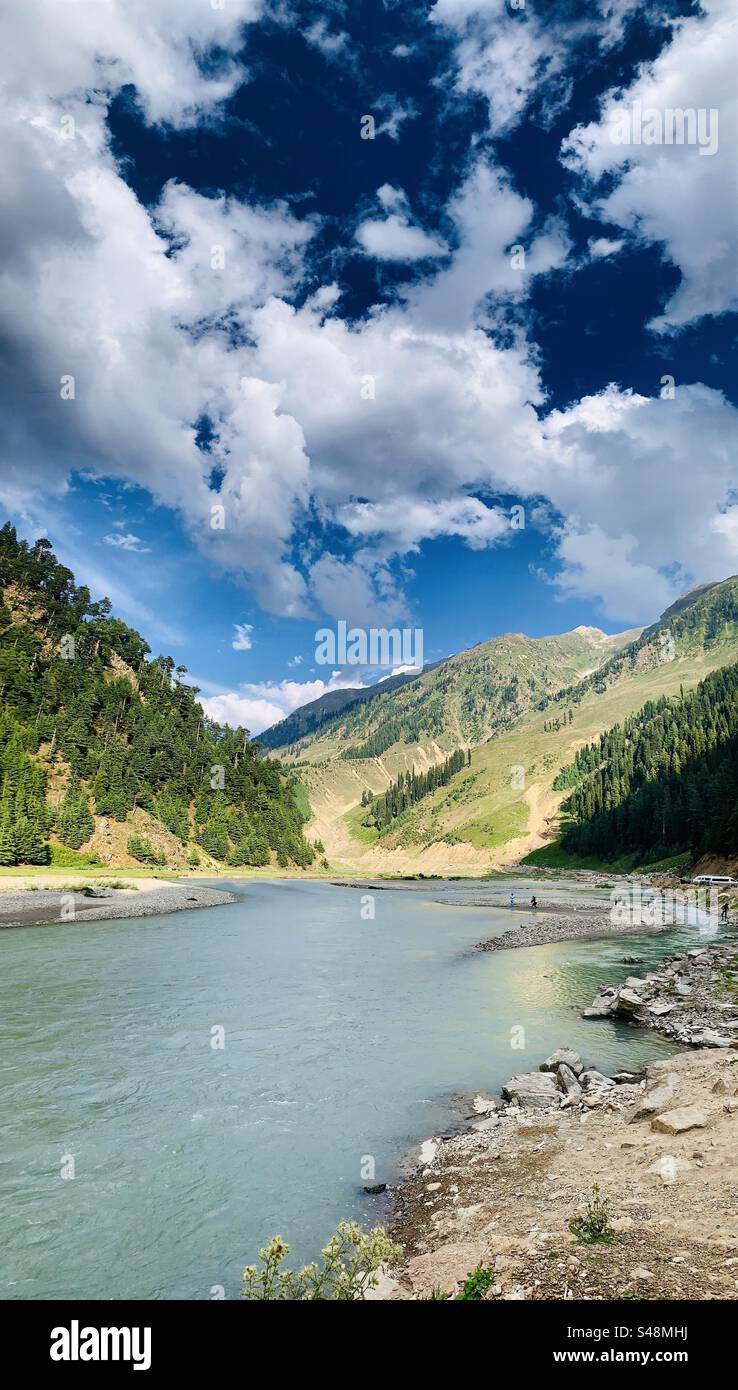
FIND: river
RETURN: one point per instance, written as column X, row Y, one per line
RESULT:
column 176, row 1089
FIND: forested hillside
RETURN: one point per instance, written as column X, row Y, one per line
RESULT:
column 663, row 782
column 462, row 700
column 93, row 728
column 535, row 703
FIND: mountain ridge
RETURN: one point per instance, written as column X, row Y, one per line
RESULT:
column 480, row 820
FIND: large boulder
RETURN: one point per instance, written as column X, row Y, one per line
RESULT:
column 595, row 1080
column 535, row 1090
column 680, row 1120
column 657, row 1098
column 565, row 1056
column 602, row 1006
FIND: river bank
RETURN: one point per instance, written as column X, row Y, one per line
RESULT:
column 54, row 900
column 659, row 1144
column 578, row 922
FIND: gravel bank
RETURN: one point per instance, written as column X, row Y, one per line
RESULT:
column 54, row 907
column 576, row 922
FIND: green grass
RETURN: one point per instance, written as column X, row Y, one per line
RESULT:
column 364, row 834
column 554, row 856
column 64, row 858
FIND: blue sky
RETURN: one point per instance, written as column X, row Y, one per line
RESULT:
column 368, row 351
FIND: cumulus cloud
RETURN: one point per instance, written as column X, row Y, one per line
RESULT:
column 678, row 196
column 647, row 489
column 135, row 315
column 602, row 246
column 407, row 521
column 257, row 705
column 328, row 41
column 391, row 426
column 393, row 238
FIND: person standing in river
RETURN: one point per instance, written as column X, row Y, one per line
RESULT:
column 512, row 899
column 534, row 901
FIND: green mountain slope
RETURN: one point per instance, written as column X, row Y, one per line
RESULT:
column 664, row 782
column 310, row 719
column 104, row 749
column 464, row 699
column 568, row 691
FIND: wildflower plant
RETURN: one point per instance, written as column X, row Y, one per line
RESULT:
column 348, row 1268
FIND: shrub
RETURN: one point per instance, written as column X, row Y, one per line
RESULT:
column 593, row 1228
column 349, row 1267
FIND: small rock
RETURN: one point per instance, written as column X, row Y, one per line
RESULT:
column 601, row 1007
column 709, row 1037
column 567, row 1081
column 593, row 1079
column 667, row 1168
column 376, row 1188
column 641, row 1273
column 657, row 1099
column 677, row 1121
column 627, row 1002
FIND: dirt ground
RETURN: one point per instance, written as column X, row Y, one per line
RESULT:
column 504, row 1197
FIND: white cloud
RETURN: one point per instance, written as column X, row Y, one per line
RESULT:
column 646, row 486
column 329, row 43
column 395, row 238
column 602, row 246
column 675, row 195
column 53, row 50
column 501, row 55
column 128, row 542
column 407, row 521
column 258, row 705
column 165, row 315
column 242, row 641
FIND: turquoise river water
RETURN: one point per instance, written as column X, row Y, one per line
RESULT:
column 343, row 1039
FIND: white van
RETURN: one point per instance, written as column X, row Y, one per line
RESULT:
column 723, row 880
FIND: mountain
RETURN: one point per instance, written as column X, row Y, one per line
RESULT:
column 308, row 719
column 522, row 706
column 106, row 752
column 464, row 699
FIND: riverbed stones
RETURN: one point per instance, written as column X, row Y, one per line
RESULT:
column 563, row 1056
column 680, row 1120
column 535, row 1090
column 566, row 1081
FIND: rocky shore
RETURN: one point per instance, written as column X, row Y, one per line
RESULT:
column 70, row 903
column 692, row 997
column 510, row 1195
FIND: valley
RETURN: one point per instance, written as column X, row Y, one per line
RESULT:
column 522, row 707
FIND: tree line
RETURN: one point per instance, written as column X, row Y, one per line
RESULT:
column 408, row 788
column 664, row 782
